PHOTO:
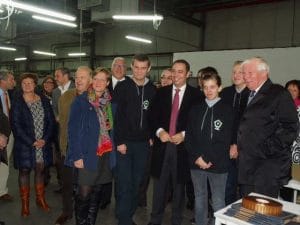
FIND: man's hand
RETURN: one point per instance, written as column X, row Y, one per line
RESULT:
column 202, row 164
column 150, row 142
column 39, row 143
column 233, row 152
column 79, row 164
column 164, row 136
column 122, row 149
column 177, row 138
column 3, row 141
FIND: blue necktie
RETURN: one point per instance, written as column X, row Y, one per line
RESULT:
column 251, row 96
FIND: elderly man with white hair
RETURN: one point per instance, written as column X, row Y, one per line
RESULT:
column 267, row 129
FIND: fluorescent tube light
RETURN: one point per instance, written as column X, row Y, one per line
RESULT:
column 138, row 17
column 77, row 54
column 138, row 39
column 44, row 53
column 36, row 9
column 7, row 48
column 47, row 19
column 20, row 59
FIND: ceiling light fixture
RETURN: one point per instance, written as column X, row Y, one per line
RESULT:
column 37, row 9
column 77, row 54
column 7, row 48
column 134, row 38
column 47, row 19
column 20, row 59
column 44, row 53
column 138, row 17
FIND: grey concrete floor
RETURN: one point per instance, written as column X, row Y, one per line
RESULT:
column 10, row 211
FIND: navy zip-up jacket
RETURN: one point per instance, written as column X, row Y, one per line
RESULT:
column 208, row 135
column 131, row 120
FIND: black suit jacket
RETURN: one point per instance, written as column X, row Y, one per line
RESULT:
column 267, row 129
column 161, row 114
column 110, row 85
column 4, row 129
column 239, row 102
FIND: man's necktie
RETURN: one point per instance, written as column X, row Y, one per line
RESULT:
column 7, row 103
column 174, row 113
column 251, row 96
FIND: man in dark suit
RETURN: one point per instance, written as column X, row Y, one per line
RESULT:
column 170, row 157
column 236, row 96
column 118, row 72
column 7, row 82
column 267, row 129
column 4, row 134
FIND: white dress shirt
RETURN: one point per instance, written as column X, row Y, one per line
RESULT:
column 115, row 81
column 181, row 93
column 65, row 87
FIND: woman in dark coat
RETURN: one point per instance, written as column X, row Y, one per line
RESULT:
column 32, row 123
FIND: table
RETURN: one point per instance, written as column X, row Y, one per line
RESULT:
column 295, row 185
column 228, row 220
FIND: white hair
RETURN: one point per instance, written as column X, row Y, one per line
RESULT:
column 116, row 59
column 262, row 64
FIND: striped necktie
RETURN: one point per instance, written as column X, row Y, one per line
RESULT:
column 7, row 103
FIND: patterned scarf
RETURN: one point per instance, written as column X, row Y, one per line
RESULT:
column 102, row 107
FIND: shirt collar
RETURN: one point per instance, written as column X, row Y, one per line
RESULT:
column 182, row 88
column 65, row 87
column 115, row 80
column 259, row 87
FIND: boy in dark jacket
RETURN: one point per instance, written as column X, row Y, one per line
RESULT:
column 132, row 135
column 207, row 140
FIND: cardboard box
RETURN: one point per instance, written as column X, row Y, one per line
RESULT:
column 296, row 172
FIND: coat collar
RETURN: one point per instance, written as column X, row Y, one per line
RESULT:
column 261, row 92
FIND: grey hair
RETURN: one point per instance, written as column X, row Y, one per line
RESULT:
column 261, row 66
column 4, row 74
column 117, row 58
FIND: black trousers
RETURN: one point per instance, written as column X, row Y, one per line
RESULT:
column 142, row 197
column 67, row 189
column 160, row 189
column 272, row 191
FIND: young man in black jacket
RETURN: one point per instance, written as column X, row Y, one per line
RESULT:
column 132, row 135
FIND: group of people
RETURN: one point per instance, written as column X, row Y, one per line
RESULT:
column 107, row 126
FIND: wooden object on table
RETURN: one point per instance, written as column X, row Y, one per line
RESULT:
column 262, row 205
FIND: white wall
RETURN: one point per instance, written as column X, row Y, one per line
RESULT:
column 284, row 62
column 256, row 26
